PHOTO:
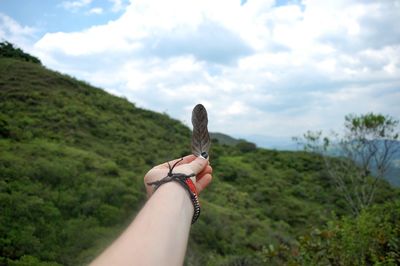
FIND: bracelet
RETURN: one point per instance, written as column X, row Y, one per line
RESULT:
column 185, row 181
column 189, row 186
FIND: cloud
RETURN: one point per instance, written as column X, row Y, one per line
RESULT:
column 13, row 32
column 74, row 5
column 117, row 5
column 96, row 11
column 260, row 69
column 363, row 26
column 209, row 42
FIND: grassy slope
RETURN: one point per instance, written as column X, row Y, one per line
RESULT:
column 72, row 159
column 79, row 152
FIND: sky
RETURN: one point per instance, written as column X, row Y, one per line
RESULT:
column 265, row 70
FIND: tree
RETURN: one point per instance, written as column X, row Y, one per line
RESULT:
column 358, row 158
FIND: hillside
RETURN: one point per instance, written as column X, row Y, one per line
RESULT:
column 224, row 139
column 72, row 159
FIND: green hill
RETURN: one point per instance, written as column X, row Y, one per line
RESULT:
column 223, row 138
column 72, row 159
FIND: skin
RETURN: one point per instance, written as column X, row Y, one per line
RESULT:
column 159, row 233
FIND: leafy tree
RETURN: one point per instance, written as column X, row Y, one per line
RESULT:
column 358, row 158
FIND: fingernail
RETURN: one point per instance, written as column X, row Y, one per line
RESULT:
column 204, row 154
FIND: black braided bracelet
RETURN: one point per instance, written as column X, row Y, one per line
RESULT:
column 183, row 180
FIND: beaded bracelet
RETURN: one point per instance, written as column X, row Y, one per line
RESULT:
column 185, row 181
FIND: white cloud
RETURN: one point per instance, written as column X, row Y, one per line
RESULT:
column 117, row 5
column 259, row 68
column 13, row 32
column 96, row 10
column 74, row 5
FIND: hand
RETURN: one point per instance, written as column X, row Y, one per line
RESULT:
column 187, row 165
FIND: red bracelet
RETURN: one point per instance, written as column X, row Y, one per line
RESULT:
column 187, row 183
column 191, row 186
column 194, row 198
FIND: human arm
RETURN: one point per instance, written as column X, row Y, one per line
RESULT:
column 159, row 233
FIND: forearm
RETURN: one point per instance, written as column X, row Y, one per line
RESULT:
column 159, row 233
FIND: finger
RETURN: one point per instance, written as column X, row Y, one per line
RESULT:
column 203, row 182
column 198, row 164
column 207, row 170
column 184, row 160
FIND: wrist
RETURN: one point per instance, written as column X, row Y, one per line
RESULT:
column 173, row 194
column 186, row 183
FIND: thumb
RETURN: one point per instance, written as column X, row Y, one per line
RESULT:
column 198, row 164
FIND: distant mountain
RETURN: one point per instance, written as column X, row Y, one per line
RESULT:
column 273, row 142
column 393, row 173
column 224, row 139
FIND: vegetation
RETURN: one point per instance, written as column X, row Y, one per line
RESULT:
column 8, row 50
column 72, row 159
column 223, row 138
column 373, row 238
column 363, row 155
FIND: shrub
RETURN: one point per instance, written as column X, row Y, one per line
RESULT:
column 8, row 50
column 373, row 238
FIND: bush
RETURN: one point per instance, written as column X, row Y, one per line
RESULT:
column 373, row 238
column 8, row 50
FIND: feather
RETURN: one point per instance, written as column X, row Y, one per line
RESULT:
column 200, row 138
